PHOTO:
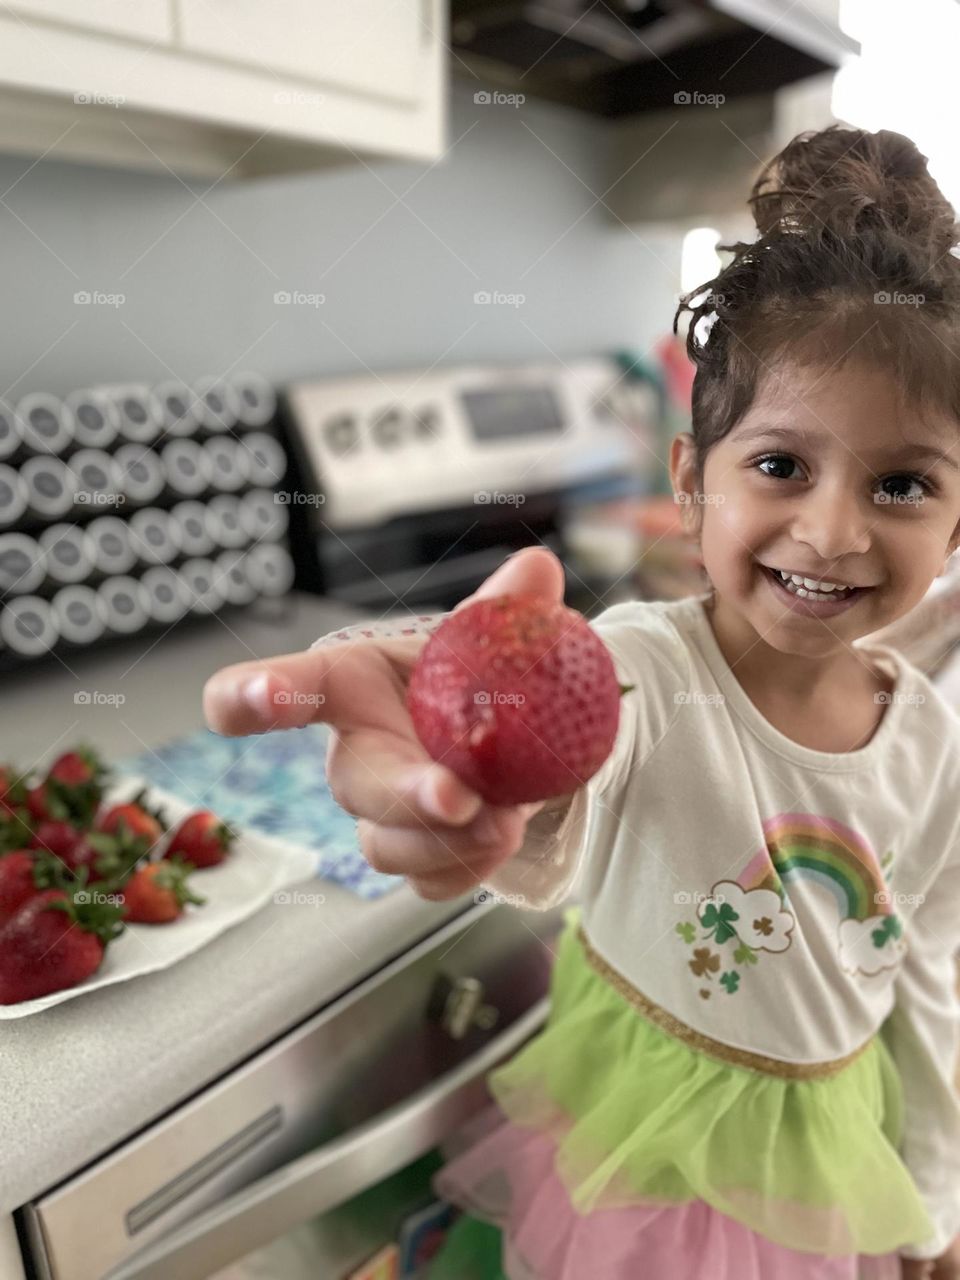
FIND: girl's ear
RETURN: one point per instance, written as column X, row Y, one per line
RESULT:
column 683, row 477
column 951, row 548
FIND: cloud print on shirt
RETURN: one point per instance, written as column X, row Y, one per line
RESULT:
column 869, row 946
column 755, row 915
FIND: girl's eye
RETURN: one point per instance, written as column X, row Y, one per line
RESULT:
column 781, row 462
column 898, row 488
column 904, row 488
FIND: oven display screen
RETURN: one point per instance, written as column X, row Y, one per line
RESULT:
column 520, row 411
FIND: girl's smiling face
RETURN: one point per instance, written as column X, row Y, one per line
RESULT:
column 831, row 477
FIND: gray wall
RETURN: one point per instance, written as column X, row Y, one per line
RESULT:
column 510, row 208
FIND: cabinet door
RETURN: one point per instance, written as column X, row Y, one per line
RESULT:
column 365, row 45
column 150, row 20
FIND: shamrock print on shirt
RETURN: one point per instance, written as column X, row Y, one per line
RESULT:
column 752, row 914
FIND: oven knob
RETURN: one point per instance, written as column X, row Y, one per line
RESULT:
column 427, row 423
column 178, row 408
column 140, row 415
column 387, row 428
column 457, row 1004
column 341, row 433
column 256, row 400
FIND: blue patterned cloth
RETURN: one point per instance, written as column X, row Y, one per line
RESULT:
column 274, row 783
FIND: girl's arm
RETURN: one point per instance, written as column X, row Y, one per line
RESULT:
column 923, row 1035
column 648, row 655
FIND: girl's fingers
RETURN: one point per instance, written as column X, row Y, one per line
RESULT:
column 392, row 781
column 331, row 684
column 467, row 853
column 350, row 684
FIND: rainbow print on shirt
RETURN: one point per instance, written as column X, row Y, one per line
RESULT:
column 753, row 913
column 801, row 845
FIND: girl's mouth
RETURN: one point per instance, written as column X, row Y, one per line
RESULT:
column 806, row 600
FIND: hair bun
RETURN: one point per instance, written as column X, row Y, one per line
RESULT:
column 845, row 182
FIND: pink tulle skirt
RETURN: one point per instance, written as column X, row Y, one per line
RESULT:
column 508, row 1178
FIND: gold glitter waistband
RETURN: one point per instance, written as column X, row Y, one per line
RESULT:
column 706, row 1044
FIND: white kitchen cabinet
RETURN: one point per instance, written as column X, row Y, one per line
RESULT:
column 141, row 19
column 223, row 88
column 365, row 45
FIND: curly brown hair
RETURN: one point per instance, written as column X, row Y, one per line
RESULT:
column 846, row 220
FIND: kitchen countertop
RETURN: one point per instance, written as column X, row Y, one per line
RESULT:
column 86, row 1074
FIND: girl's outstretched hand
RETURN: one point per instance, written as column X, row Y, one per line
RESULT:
column 416, row 818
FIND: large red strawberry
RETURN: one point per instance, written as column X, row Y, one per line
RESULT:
column 74, row 850
column 40, row 805
column 76, row 768
column 202, row 839
column 53, row 942
column 58, row 838
column 73, row 787
column 518, row 696
column 135, row 819
column 17, row 882
column 157, row 893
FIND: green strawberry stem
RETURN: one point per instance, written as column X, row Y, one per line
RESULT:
column 117, row 853
column 16, row 830
column 103, row 919
column 172, row 874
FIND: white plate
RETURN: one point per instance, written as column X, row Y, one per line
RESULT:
column 256, row 868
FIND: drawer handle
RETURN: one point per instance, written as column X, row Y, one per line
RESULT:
column 457, row 1004
column 335, row 1172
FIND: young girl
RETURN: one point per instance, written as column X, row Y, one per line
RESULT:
column 748, row 1068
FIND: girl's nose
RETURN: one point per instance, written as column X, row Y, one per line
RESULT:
column 834, row 524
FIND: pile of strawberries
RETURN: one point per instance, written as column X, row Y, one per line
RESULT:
column 74, row 872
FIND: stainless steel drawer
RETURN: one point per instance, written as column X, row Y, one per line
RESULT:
column 365, row 1086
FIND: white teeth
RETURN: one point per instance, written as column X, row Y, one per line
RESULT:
column 813, row 585
column 809, row 588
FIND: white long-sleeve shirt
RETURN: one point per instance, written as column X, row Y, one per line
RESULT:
column 676, row 847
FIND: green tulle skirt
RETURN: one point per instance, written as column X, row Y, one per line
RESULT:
column 637, row 1117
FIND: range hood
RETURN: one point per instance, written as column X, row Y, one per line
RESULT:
column 618, row 58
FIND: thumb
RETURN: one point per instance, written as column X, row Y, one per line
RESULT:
column 534, row 569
